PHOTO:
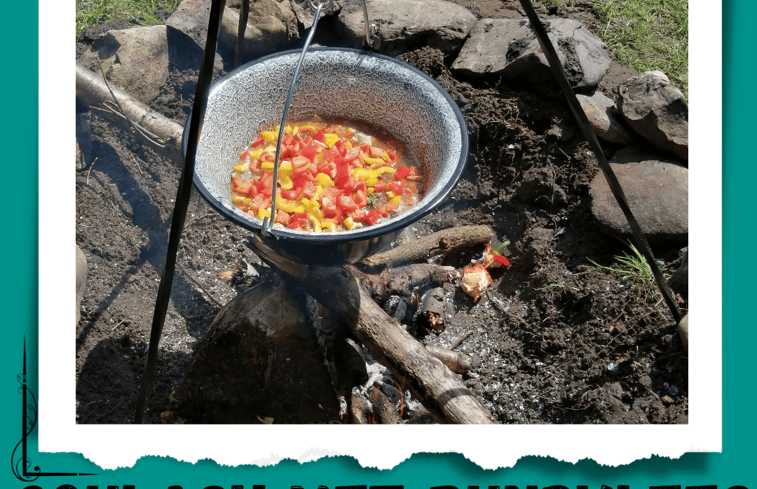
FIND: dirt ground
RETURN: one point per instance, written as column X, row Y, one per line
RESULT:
column 554, row 339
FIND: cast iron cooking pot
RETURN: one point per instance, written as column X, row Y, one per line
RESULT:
column 344, row 83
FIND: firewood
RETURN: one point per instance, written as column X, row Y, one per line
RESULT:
column 438, row 243
column 439, row 389
column 386, row 411
column 158, row 131
column 402, row 280
column 457, row 362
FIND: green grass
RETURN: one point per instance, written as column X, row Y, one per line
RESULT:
column 137, row 12
column 635, row 271
column 649, row 35
column 645, row 34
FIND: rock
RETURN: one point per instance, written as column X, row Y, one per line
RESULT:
column 683, row 331
column 657, row 193
column 191, row 18
column 81, row 280
column 403, row 25
column 270, row 28
column 259, row 358
column 604, row 118
column 679, row 282
column 509, row 48
column 657, row 111
column 304, row 13
column 139, row 59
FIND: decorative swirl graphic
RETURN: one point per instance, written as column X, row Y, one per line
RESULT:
column 20, row 462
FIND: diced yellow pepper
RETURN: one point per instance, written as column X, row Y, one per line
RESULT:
column 286, row 182
column 330, row 139
column 299, row 209
column 328, row 225
column 362, row 173
column 307, row 127
column 371, row 190
column 318, row 192
column 349, row 223
column 373, row 161
column 386, row 156
column 348, row 143
column 284, row 166
column 324, row 180
column 241, row 167
column 255, row 153
column 241, row 199
column 316, row 223
column 263, row 213
column 371, row 181
column 270, row 136
column 396, row 198
column 390, row 194
column 387, row 169
column 286, row 205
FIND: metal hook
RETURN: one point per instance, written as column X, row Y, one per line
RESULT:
column 265, row 230
column 371, row 39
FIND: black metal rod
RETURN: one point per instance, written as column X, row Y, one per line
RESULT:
column 591, row 138
column 182, row 203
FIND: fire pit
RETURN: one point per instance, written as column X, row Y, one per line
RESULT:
column 334, row 83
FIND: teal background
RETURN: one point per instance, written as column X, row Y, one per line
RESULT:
column 735, row 466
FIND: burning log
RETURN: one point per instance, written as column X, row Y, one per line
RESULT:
column 402, row 280
column 438, row 243
column 439, row 389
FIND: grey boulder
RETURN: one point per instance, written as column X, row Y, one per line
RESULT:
column 402, row 25
column 658, row 196
column 657, row 111
column 509, row 48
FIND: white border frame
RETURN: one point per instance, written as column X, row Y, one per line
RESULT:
column 121, row 446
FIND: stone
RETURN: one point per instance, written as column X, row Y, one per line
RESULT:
column 657, row 111
column 139, row 59
column 509, row 48
column 658, row 196
column 404, row 25
column 604, row 118
column 81, row 280
column 270, row 28
column 191, row 19
column 683, row 331
column 304, row 13
column 259, row 359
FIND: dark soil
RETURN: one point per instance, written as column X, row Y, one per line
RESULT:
column 554, row 339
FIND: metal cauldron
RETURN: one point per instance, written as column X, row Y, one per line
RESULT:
column 334, row 82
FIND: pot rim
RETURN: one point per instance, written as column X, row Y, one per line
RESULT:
column 339, row 237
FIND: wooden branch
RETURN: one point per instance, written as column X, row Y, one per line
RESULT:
column 92, row 90
column 440, row 390
column 402, row 280
column 438, row 243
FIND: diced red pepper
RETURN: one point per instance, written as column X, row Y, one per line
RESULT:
column 371, row 217
column 360, row 198
column 379, row 186
column 293, row 194
column 309, row 152
column 257, row 143
column 346, row 204
column 395, row 187
column 342, row 171
column 402, row 172
column 318, row 136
